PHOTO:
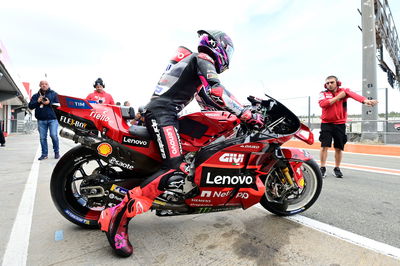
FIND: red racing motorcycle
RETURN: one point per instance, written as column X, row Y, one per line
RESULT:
column 231, row 165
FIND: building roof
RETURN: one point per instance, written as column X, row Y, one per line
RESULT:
column 12, row 90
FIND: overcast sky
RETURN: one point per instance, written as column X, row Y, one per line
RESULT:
column 284, row 48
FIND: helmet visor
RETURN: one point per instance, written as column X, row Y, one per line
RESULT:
column 229, row 51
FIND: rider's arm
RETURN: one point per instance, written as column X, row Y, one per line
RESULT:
column 213, row 88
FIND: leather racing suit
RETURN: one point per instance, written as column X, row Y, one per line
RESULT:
column 187, row 75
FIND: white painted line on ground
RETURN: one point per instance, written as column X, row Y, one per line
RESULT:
column 359, row 153
column 358, row 240
column 371, row 169
column 17, row 247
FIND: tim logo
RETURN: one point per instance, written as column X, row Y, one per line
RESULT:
column 231, row 158
column 77, row 104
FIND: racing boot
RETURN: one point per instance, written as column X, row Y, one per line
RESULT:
column 114, row 221
column 177, row 180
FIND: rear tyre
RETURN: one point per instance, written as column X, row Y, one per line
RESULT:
column 297, row 200
column 65, row 182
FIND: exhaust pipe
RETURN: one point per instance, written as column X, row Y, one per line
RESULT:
column 85, row 140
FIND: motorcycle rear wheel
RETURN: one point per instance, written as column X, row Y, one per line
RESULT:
column 294, row 204
column 65, row 193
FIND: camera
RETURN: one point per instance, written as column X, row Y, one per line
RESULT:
column 45, row 99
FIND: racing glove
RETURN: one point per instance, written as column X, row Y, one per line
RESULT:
column 254, row 119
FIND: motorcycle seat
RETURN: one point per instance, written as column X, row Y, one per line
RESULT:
column 140, row 131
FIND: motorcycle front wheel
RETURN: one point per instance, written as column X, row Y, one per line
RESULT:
column 282, row 201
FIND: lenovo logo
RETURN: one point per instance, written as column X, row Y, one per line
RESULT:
column 220, row 177
column 135, row 142
column 172, row 141
column 231, row 158
column 228, row 180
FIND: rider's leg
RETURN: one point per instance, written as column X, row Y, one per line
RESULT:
column 114, row 221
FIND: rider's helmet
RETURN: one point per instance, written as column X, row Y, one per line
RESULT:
column 218, row 45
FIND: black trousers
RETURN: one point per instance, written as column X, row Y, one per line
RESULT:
column 163, row 127
column 2, row 139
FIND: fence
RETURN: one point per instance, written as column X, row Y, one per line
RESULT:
column 388, row 123
column 19, row 126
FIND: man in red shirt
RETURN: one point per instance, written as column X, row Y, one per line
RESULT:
column 99, row 95
column 333, row 102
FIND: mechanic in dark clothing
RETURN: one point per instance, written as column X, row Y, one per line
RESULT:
column 47, row 120
column 187, row 75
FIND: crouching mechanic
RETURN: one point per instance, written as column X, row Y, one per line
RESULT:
column 188, row 75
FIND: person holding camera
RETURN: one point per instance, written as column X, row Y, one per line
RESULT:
column 99, row 95
column 47, row 120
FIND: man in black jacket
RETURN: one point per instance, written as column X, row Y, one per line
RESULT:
column 46, row 118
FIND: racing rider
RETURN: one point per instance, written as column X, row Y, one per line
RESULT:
column 187, row 75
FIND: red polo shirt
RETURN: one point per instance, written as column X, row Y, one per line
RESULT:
column 336, row 113
column 105, row 97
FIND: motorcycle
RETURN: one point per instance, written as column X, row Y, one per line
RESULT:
column 232, row 165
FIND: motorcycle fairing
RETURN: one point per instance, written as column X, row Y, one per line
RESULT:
column 129, row 159
column 296, row 154
column 305, row 134
column 229, row 176
column 78, row 124
column 201, row 128
column 238, row 196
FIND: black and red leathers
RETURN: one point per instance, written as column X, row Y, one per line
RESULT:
column 187, row 75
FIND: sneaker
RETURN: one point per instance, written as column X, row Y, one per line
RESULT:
column 323, row 171
column 57, row 155
column 337, row 172
column 3, row 145
column 43, row 157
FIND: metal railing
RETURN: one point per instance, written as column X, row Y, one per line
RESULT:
column 19, row 126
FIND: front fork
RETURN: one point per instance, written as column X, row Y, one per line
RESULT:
column 290, row 169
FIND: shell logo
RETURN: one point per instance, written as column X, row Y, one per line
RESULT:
column 104, row 149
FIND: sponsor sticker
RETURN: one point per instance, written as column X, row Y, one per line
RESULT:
column 234, row 158
column 250, row 147
column 100, row 116
column 73, row 122
column 76, row 217
column 172, row 141
column 104, row 149
column 119, row 163
column 77, row 104
column 128, row 140
column 222, row 194
column 226, row 178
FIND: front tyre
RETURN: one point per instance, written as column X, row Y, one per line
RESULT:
column 284, row 201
